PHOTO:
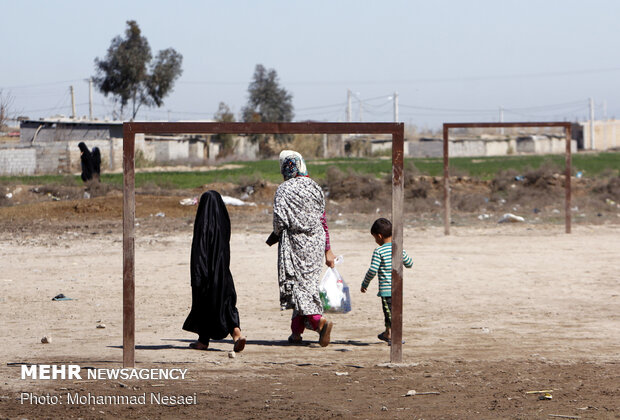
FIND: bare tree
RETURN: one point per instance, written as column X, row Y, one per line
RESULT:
column 6, row 104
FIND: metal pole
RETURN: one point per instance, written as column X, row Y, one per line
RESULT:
column 90, row 99
column 395, row 107
column 396, row 350
column 567, row 216
column 349, row 105
column 129, row 215
column 592, row 124
column 446, row 183
column 606, row 123
column 72, row 102
column 501, row 119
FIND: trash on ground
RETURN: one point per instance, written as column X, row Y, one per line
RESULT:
column 160, row 214
column 192, row 201
column 100, row 326
column 232, row 201
column 46, row 339
column 413, row 392
column 342, row 373
column 484, row 216
column 61, row 297
column 511, row 218
column 545, row 396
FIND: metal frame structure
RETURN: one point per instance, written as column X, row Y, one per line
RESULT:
column 446, row 172
column 129, row 203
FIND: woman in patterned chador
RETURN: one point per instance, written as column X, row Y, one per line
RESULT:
column 300, row 228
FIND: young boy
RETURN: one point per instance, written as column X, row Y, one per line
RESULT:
column 381, row 263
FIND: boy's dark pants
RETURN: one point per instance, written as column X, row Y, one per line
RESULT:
column 386, row 303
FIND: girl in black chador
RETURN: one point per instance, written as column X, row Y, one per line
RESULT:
column 214, row 313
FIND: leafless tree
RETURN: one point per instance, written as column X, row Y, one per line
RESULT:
column 6, row 103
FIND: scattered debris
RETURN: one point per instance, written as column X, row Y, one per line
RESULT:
column 545, row 396
column 160, row 214
column 544, row 391
column 564, row 417
column 100, row 326
column 413, row 392
column 231, row 355
column 342, row 373
column 511, row 218
column 46, row 339
column 384, row 408
column 484, row 216
column 61, row 297
column 231, row 201
column 315, row 374
column 122, row 385
column 189, row 201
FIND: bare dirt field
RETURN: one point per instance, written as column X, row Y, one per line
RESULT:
column 491, row 312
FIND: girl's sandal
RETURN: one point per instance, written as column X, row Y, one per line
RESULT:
column 197, row 345
column 239, row 345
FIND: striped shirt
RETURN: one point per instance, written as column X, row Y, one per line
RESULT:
column 382, row 263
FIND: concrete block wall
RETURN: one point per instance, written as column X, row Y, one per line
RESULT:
column 52, row 158
column 18, row 161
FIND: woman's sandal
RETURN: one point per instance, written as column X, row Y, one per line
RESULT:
column 324, row 335
column 239, row 344
column 295, row 340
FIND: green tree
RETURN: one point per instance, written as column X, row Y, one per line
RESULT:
column 128, row 73
column 267, row 102
column 227, row 141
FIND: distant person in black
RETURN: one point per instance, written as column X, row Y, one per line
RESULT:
column 214, row 313
column 91, row 162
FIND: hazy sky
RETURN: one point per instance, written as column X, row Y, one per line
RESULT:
column 448, row 60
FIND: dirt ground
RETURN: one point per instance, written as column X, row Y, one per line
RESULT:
column 491, row 312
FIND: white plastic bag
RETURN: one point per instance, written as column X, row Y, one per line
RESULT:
column 334, row 292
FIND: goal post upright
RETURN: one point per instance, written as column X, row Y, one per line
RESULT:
column 130, row 129
column 567, row 170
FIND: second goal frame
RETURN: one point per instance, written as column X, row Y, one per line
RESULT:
column 446, row 162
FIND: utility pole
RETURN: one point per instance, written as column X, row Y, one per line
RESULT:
column 348, row 105
column 90, row 98
column 501, row 119
column 360, row 107
column 591, row 123
column 72, row 102
column 605, row 124
column 395, row 107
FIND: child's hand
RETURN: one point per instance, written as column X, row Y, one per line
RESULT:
column 363, row 290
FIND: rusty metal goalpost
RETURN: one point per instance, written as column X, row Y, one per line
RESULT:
column 396, row 130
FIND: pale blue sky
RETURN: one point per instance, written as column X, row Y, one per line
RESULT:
column 448, row 60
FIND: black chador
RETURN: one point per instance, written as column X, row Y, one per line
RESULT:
column 214, row 313
column 86, row 158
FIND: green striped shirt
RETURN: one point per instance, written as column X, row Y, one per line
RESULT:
column 382, row 263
